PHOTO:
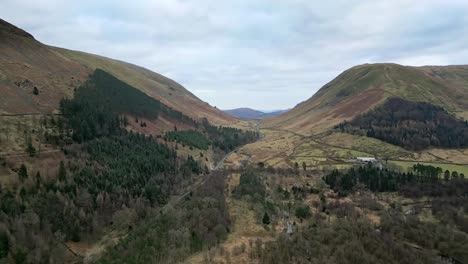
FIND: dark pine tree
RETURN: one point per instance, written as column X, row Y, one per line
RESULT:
column 62, row 174
column 266, row 219
column 23, row 172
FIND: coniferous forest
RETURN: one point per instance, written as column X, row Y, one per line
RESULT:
column 411, row 125
column 100, row 106
column 112, row 178
column 423, row 180
column 191, row 138
column 228, row 138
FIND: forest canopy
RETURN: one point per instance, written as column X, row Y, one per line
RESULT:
column 100, row 105
column 411, row 125
column 421, row 180
column 191, row 138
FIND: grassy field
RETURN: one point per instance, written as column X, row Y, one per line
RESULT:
column 406, row 165
column 371, row 146
column 332, row 150
column 317, row 149
column 275, row 147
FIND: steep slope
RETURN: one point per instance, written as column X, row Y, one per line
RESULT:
column 26, row 63
column 155, row 85
column 361, row 88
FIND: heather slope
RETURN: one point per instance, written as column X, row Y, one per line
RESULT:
column 155, row 85
column 362, row 87
column 26, row 63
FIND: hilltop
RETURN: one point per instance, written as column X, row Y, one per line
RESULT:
column 27, row 66
column 360, row 88
column 354, row 115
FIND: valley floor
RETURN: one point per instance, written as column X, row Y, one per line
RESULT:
column 330, row 150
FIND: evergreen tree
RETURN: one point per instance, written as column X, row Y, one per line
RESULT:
column 303, row 212
column 38, row 179
column 62, row 174
column 23, row 172
column 266, row 219
column 447, row 175
column 20, row 256
column 4, row 245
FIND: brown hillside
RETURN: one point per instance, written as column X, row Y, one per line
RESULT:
column 360, row 88
column 26, row 63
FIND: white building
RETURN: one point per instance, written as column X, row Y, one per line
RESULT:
column 366, row 159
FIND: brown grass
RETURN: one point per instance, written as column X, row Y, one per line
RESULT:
column 243, row 230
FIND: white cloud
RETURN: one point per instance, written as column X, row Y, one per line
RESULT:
column 266, row 54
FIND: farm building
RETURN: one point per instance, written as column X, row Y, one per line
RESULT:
column 366, row 159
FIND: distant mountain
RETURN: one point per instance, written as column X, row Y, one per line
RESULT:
column 363, row 87
column 275, row 112
column 245, row 113
column 248, row 113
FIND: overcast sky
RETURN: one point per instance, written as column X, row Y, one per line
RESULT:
column 263, row 54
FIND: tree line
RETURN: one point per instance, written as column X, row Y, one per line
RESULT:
column 422, row 180
column 411, row 125
column 100, row 105
column 228, row 138
column 190, row 138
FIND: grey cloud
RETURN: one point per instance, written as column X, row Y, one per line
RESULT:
column 266, row 54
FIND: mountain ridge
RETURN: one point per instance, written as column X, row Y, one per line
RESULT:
column 26, row 63
column 8, row 27
column 363, row 87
